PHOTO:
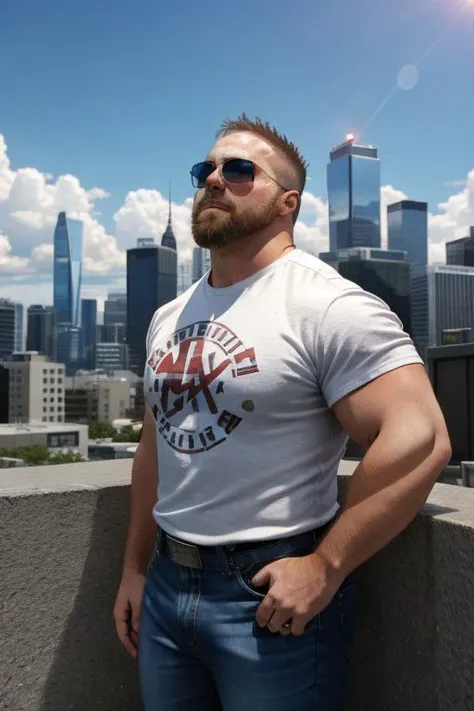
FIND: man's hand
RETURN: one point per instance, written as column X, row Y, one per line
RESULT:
column 300, row 588
column 127, row 609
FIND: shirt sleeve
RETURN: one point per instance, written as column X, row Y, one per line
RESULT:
column 359, row 339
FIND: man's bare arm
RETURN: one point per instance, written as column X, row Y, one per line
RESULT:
column 141, row 537
column 397, row 418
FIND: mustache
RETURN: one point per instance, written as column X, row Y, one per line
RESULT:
column 210, row 199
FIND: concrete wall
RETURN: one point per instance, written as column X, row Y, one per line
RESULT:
column 63, row 529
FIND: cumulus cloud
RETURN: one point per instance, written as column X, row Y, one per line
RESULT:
column 145, row 214
column 30, row 201
column 455, row 217
column 29, row 204
column 8, row 262
column 312, row 228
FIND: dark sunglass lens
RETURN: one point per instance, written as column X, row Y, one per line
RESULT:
column 238, row 170
column 200, row 173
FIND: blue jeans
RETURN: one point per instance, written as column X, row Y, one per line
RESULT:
column 200, row 648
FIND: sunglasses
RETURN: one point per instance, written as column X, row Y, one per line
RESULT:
column 234, row 170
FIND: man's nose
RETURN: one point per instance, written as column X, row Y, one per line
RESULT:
column 215, row 180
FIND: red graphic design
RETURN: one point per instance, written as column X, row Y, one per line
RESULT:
column 188, row 378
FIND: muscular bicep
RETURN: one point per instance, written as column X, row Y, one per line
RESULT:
column 403, row 394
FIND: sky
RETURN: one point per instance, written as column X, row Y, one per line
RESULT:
column 102, row 104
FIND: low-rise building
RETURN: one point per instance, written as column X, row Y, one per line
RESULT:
column 92, row 397
column 56, row 437
column 35, row 388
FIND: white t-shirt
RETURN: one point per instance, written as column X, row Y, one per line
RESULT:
column 241, row 380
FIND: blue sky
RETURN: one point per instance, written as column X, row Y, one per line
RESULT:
column 128, row 95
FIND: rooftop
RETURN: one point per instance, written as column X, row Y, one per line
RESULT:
column 63, row 530
column 38, row 427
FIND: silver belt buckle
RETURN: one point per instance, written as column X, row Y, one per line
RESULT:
column 183, row 553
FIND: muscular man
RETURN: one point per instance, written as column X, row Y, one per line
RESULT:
column 254, row 379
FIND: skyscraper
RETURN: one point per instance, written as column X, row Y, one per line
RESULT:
column 7, row 329
column 152, row 275
column 442, row 300
column 168, row 239
column 19, row 327
column 115, row 317
column 353, row 176
column 68, row 238
column 460, row 252
column 88, row 333
column 201, row 262
column 407, row 223
column 41, row 330
column 382, row 272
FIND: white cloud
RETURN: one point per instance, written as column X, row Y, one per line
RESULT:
column 30, row 201
column 29, row 204
column 145, row 214
column 8, row 262
column 312, row 236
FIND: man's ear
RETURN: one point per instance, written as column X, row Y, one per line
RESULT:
column 291, row 201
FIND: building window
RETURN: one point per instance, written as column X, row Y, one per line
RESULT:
column 60, row 418
column 51, row 390
column 68, row 439
column 51, row 380
column 51, row 399
column 51, row 419
column 44, row 409
column 45, row 372
column 44, row 419
column 60, row 380
column 45, row 380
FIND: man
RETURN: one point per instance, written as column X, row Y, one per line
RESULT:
column 254, row 379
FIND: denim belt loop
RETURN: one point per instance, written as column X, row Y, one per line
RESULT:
column 223, row 561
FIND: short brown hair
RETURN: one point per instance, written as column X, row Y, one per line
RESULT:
column 273, row 136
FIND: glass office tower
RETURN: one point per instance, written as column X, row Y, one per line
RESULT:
column 41, row 330
column 353, row 179
column 7, row 329
column 68, row 238
column 443, row 300
column 19, row 327
column 385, row 273
column 152, row 281
column 88, row 333
column 460, row 252
column 115, row 318
column 407, row 223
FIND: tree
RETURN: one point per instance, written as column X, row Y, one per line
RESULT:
column 128, row 434
column 37, row 455
column 101, row 430
column 61, row 458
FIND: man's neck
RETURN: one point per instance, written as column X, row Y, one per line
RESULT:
column 239, row 261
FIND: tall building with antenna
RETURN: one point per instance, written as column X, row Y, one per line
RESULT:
column 353, row 178
column 152, row 281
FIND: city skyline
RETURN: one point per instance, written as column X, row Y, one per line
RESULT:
column 453, row 222
column 403, row 84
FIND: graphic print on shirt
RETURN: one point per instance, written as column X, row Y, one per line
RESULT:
column 188, row 379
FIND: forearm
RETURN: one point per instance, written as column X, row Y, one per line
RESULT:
column 142, row 529
column 386, row 491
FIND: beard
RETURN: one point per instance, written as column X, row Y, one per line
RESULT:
column 220, row 228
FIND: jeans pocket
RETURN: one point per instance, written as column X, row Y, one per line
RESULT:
column 347, row 605
column 244, row 579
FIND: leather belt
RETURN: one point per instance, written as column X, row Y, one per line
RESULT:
column 231, row 557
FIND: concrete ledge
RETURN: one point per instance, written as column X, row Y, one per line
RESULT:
column 63, row 530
